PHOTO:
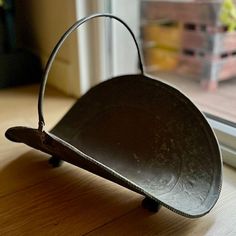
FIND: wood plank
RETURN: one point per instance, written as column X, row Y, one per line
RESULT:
column 219, row 221
column 77, row 199
column 190, row 11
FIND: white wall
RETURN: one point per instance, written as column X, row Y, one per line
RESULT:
column 40, row 24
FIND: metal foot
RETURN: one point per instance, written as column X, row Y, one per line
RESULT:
column 209, row 85
column 151, row 205
column 55, row 161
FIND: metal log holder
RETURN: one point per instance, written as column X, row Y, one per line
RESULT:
column 138, row 132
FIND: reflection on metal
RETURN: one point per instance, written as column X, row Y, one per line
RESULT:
column 139, row 133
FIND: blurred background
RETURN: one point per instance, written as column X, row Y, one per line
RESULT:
column 188, row 44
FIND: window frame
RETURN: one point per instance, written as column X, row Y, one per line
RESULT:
column 225, row 131
column 226, row 134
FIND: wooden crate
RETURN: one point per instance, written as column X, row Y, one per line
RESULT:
column 207, row 50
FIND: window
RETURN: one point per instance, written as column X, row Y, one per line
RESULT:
column 193, row 53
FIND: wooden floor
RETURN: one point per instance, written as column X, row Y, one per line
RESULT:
column 36, row 199
column 221, row 102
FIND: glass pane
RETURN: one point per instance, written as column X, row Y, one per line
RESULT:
column 189, row 45
column 186, row 44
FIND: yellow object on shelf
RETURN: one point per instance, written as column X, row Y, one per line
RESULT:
column 163, row 35
column 161, row 59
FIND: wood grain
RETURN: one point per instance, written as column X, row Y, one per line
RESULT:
column 220, row 221
column 36, row 199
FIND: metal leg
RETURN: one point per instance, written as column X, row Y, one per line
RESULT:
column 209, row 85
column 151, row 205
column 55, row 161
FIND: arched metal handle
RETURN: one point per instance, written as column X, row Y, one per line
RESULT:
column 41, row 122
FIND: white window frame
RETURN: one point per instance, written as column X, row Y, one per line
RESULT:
column 226, row 134
column 91, row 54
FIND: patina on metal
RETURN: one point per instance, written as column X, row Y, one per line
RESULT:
column 139, row 133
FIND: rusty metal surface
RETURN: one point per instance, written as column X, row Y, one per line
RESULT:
column 139, row 133
column 152, row 135
column 143, row 135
